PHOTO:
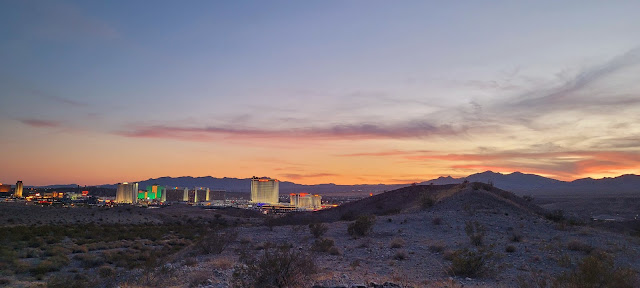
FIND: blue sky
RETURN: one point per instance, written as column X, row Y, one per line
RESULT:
column 307, row 82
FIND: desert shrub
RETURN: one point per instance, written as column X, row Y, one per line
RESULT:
column 56, row 251
column 400, row 255
column 200, row 279
column 527, row 198
column 334, row 251
column 106, row 271
column 51, row 264
column 577, row 245
column 479, row 185
column 223, row 263
column 68, row 281
column 555, row 216
column 88, row 260
column 190, row 261
column 354, row 264
column 322, row 245
column 216, row 241
column 534, row 280
column 598, row 271
column 564, row 261
column 4, row 281
column 80, row 249
column 436, row 221
column 427, row 201
column 275, row 268
column 515, row 237
column 437, row 247
column 318, row 229
column 362, row 226
column 475, row 231
column 397, row 243
column 510, row 249
column 31, row 253
column 469, row 263
column 348, row 216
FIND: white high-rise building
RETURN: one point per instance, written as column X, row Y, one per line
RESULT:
column 264, row 190
column 127, row 193
column 305, row 200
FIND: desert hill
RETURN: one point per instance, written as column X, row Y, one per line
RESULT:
column 466, row 196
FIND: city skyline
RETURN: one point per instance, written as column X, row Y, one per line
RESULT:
column 317, row 92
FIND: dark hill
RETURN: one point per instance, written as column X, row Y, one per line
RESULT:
column 473, row 196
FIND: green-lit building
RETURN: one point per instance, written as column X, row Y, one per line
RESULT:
column 153, row 192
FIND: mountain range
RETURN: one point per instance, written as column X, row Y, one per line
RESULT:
column 518, row 183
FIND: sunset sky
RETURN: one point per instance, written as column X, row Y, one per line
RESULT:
column 345, row 92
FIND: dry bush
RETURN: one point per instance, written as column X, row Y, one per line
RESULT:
column 106, row 271
column 469, row 263
column 69, row 281
column 322, row 245
column 190, row 261
column 475, row 231
column 318, row 229
column 334, row 251
column 427, row 201
column 436, row 221
column 515, row 237
column 564, row 261
column 400, row 255
column 215, row 242
column 510, row 249
column 534, row 280
column 89, row 260
column 199, row 279
column 275, row 268
column 362, row 226
column 577, row 245
column 223, row 263
column 397, row 243
column 79, row 249
column 437, row 247
column 365, row 243
column 598, row 271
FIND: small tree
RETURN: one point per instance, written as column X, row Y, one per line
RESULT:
column 318, row 229
column 362, row 226
column 276, row 268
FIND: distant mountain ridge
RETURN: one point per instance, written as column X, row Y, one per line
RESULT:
column 532, row 184
column 516, row 182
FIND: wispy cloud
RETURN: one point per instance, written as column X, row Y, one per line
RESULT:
column 40, row 123
column 409, row 129
column 560, row 96
column 58, row 20
column 296, row 176
column 381, row 153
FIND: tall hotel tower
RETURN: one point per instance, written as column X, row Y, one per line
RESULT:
column 127, row 193
column 264, row 190
column 18, row 192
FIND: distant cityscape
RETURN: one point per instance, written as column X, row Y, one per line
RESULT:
column 264, row 196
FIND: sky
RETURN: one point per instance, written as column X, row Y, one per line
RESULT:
column 345, row 92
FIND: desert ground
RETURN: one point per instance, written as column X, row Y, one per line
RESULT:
column 467, row 235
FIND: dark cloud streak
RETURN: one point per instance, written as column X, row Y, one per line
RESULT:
column 409, row 129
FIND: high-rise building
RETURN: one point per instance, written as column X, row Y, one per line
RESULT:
column 18, row 193
column 127, row 193
column 264, row 190
column 305, row 200
column 5, row 188
column 154, row 192
column 185, row 197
